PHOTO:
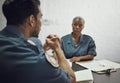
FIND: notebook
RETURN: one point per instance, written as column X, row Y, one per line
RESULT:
column 84, row 76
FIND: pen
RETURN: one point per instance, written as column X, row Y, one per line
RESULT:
column 107, row 71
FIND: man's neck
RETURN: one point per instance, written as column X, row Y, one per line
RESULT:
column 25, row 31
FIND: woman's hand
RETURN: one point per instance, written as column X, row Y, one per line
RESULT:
column 75, row 59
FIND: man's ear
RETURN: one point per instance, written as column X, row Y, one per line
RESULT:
column 31, row 20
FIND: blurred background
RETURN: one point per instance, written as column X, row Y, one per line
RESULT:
column 102, row 22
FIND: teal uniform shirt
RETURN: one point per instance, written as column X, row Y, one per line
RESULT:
column 25, row 62
column 85, row 46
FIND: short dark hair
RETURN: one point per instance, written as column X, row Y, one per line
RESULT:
column 16, row 11
column 80, row 18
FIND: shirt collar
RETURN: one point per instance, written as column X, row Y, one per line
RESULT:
column 81, row 38
column 13, row 30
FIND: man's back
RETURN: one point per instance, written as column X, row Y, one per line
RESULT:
column 25, row 62
column 22, row 57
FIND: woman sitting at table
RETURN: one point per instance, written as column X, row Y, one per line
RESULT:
column 78, row 46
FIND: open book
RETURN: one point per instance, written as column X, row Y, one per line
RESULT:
column 84, row 76
column 100, row 66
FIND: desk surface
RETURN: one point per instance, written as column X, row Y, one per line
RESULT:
column 114, row 77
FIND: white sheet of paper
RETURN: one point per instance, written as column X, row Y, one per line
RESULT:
column 99, row 65
column 85, row 82
column 84, row 75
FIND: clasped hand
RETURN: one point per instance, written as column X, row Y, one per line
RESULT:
column 52, row 42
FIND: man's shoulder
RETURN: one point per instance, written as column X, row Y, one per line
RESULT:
column 9, row 40
column 35, row 40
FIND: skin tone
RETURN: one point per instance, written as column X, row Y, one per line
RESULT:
column 77, row 27
column 32, row 27
column 53, row 42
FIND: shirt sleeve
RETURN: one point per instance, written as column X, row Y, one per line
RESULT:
column 92, row 48
column 49, row 73
column 26, row 63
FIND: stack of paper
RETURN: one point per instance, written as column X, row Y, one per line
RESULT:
column 84, row 76
column 99, row 65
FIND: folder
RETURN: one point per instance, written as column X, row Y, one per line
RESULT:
column 100, row 66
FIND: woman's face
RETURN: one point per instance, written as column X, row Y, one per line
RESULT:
column 77, row 26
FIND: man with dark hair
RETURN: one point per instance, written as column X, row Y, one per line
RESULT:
column 22, row 57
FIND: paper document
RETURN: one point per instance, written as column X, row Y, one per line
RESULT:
column 84, row 76
column 99, row 65
column 85, row 82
